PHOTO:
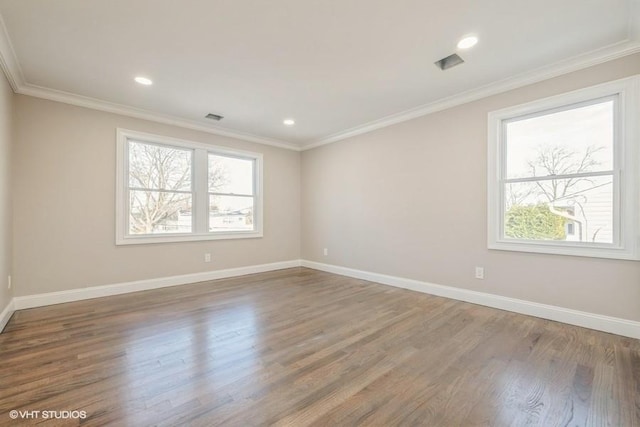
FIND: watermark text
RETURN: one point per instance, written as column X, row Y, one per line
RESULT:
column 46, row 415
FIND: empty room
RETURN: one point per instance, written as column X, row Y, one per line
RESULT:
column 320, row 213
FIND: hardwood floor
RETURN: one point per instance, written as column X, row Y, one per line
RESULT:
column 301, row 347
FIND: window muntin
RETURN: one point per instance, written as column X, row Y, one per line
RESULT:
column 170, row 190
column 564, row 171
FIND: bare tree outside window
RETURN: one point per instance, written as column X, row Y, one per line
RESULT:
column 171, row 190
column 159, row 188
column 556, row 200
column 554, row 160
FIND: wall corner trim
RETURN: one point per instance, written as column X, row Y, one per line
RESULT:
column 39, row 300
column 614, row 325
column 6, row 314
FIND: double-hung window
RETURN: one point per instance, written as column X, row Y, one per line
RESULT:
column 563, row 173
column 171, row 190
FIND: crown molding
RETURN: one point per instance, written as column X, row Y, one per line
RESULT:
column 11, row 68
column 8, row 59
column 576, row 63
column 139, row 113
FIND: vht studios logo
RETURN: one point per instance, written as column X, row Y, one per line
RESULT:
column 47, row 415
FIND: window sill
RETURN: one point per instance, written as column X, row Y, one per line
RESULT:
column 176, row 238
column 569, row 250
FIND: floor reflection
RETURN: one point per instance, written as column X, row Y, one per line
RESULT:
column 169, row 361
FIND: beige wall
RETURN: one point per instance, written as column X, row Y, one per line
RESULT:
column 64, row 215
column 410, row 200
column 6, row 112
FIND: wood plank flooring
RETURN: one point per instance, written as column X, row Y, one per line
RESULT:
column 300, row 347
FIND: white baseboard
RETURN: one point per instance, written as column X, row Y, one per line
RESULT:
column 40, row 300
column 614, row 325
column 6, row 315
column 598, row 322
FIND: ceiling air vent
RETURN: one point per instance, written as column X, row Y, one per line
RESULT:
column 215, row 117
column 449, row 61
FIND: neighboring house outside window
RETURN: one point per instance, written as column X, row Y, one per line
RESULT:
column 170, row 190
column 563, row 173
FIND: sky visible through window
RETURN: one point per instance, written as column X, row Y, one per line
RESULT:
column 231, row 207
column 573, row 130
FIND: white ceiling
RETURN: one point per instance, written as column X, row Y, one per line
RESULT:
column 335, row 66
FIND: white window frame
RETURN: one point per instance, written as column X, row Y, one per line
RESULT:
column 200, row 202
column 626, row 173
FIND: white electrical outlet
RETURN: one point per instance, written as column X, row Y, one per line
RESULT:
column 479, row 272
column 207, row 257
column 326, row 251
column 8, row 282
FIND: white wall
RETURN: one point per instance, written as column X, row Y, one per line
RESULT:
column 64, row 195
column 6, row 113
column 410, row 201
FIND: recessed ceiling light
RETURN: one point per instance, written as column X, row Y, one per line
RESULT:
column 143, row 81
column 289, row 122
column 467, row 42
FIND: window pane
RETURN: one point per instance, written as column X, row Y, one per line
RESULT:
column 567, row 142
column 159, row 168
column 230, row 175
column 230, row 213
column 154, row 212
column 571, row 210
